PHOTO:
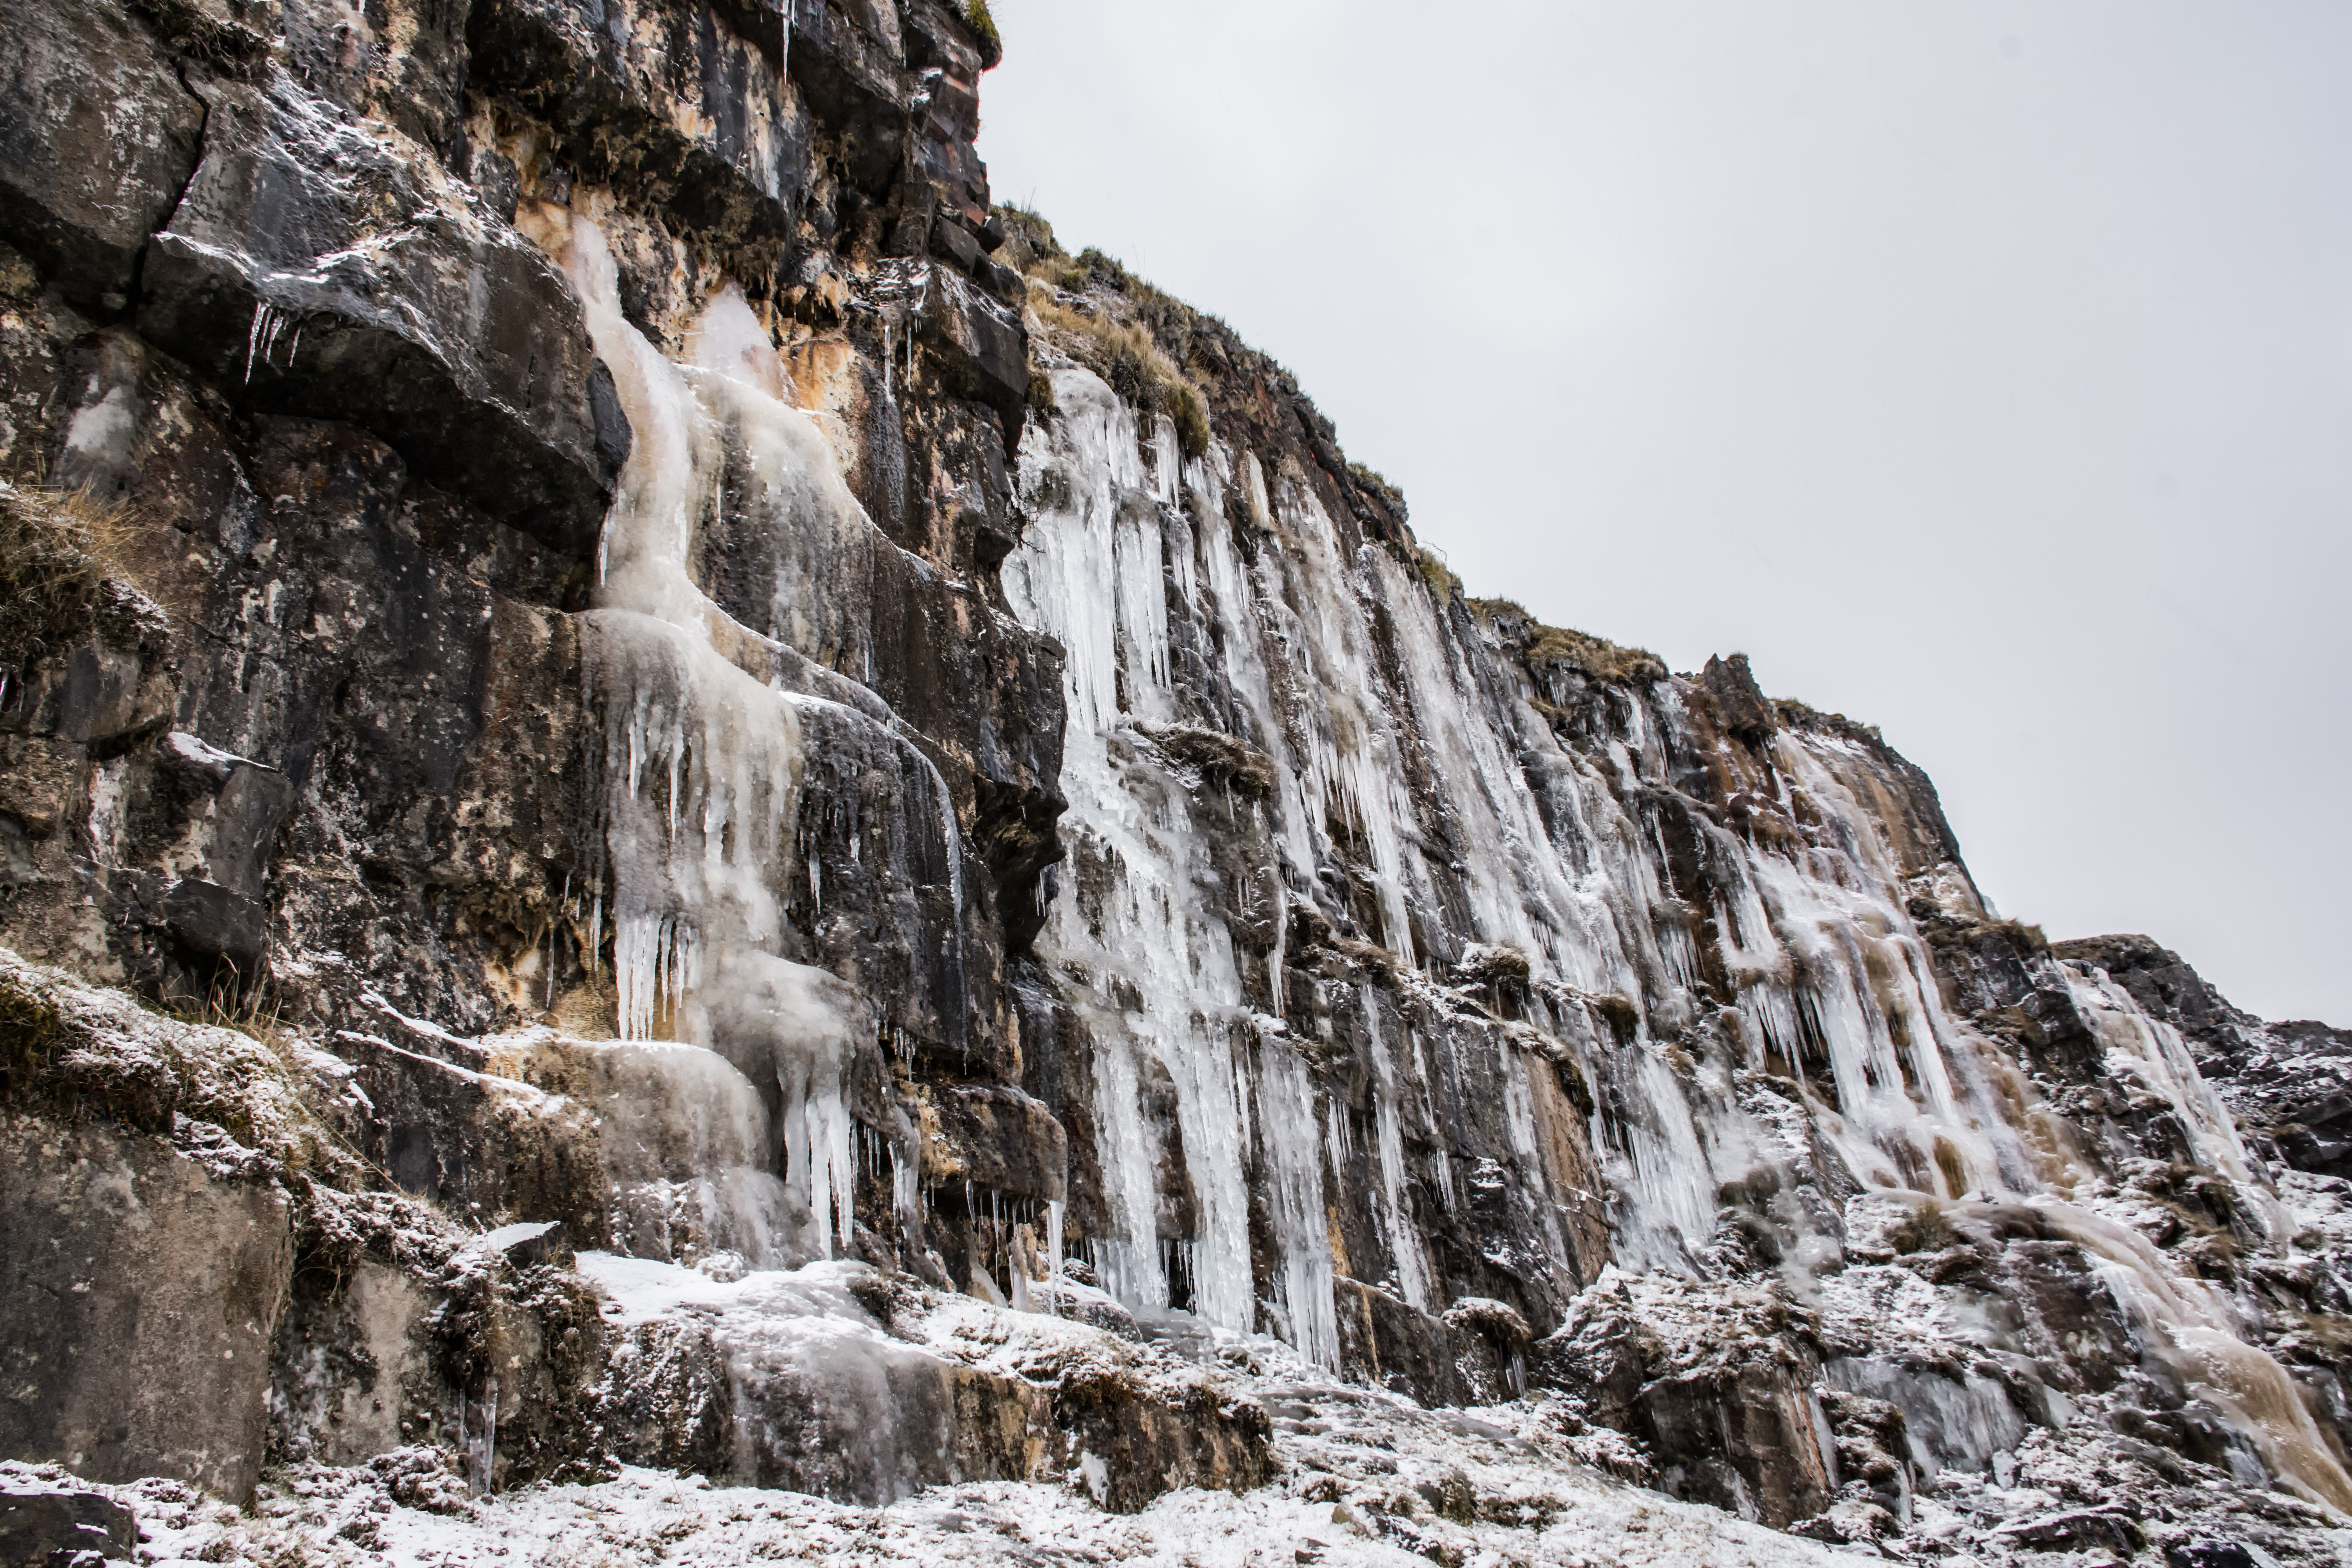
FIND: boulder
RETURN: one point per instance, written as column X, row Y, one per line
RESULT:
column 2105, row 1529
column 213, row 923
column 36, row 1527
column 318, row 266
column 1751, row 1439
column 97, row 138
column 2216, row 1551
column 1723, row 1389
column 142, row 1296
column 837, row 1380
column 352, row 1377
column 1396, row 1345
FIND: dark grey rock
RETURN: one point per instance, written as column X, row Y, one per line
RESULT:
column 2216, row 1551
column 141, row 1296
column 1738, row 699
column 683, row 105
column 2289, row 1083
column 857, row 83
column 951, row 241
column 309, row 268
column 981, row 347
column 214, row 923
column 98, row 138
column 1001, row 282
column 53, row 1529
column 2079, row 1530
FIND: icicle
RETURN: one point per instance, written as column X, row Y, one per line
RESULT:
column 700, row 810
column 1054, row 1257
column 263, row 316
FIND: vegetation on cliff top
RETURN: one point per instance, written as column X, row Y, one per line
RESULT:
column 1126, row 356
column 1164, row 357
column 983, row 28
column 1798, row 715
column 1199, row 372
column 1098, row 312
column 1539, row 644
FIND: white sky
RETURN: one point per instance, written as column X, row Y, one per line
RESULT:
column 1982, row 370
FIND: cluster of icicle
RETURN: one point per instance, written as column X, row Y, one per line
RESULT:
column 1818, row 940
column 703, row 763
column 702, row 760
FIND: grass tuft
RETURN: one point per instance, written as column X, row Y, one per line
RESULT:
column 1928, row 1229
column 253, row 1011
column 1539, row 644
column 1371, row 479
column 59, row 552
column 1126, row 356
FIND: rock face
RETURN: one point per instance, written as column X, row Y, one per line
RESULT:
column 2289, row 1084
column 778, row 830
column 34, row 1525
column 143, row 1300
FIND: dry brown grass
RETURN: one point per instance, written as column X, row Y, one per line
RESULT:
column 1074, row 303
column 1927, row 1229
column 1436, row 574
column 255, row 1011
column 1372, row 480
column 1596, row 657
column 60, row 550
column 1029, row 239
column 1125, row 355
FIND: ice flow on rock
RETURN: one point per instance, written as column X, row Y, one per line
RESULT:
column 704, row 762
column 1432, row 807
column 1407, row 807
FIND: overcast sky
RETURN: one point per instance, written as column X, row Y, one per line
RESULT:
column 1982, row 370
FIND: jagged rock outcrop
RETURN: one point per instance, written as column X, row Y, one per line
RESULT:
column 2289, row 1084
column 675, row 795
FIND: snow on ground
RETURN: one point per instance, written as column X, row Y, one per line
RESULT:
column 1362, row 1477
column 350, row 1517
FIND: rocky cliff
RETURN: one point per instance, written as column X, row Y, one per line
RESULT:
column 675, row 797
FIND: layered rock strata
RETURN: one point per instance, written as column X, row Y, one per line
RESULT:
column 646, row 747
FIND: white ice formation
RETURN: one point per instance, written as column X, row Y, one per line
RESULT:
column 1412, row 803
column 703, row 760
column 1423, row 804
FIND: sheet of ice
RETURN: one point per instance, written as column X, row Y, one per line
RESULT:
column 704, row 761
column 1165, row 988
column 1549, row 851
